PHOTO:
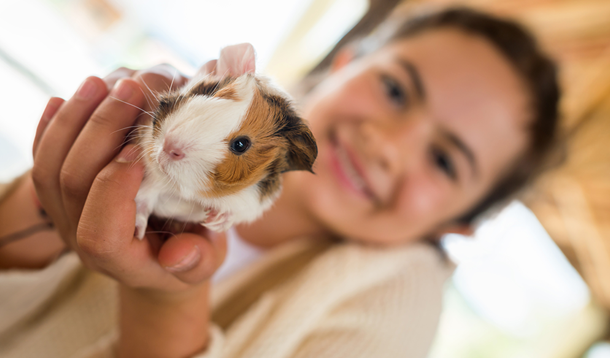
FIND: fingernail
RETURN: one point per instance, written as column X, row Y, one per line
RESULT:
column 188, row 262
column 122, row 91
column 127, row 155
column 87, row 89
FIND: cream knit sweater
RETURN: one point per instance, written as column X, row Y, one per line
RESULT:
column 349, row 300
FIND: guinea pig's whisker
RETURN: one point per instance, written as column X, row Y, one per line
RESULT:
column 153, row 93
column 172, row 83
column 147, row 97
column 140, row 108
column 218, row 83
column 121, row 129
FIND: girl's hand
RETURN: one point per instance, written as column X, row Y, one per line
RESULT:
column 89, row 190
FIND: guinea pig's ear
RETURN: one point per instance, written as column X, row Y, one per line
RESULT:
column 302, row 148
column 236, row 60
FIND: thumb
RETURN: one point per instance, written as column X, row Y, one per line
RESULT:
column 108, row 219
column 193, row 257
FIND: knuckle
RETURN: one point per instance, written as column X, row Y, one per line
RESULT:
column 106, row 179
column 102, row 118
column 94, row 247
column 40, row 176
column 71, row 184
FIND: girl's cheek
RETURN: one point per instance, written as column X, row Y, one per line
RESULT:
column 358, row 99
column 420, row 199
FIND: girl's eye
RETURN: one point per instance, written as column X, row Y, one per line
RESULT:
column 394, row 91
column 443, row 162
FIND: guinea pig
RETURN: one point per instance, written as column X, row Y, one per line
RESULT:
column 215, row 149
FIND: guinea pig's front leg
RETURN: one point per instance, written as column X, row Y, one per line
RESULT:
column 219, row 221
column 145, row 202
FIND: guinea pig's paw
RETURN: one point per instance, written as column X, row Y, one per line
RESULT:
column 218, row 222
column 141, row 223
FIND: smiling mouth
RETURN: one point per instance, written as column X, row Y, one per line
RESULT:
column 347, row 171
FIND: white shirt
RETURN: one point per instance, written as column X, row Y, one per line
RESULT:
column 239, row 255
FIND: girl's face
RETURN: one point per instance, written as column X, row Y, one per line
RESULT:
column 412, row 136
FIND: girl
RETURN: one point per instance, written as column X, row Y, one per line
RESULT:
column 419, row 130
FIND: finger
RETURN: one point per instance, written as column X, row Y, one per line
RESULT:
column 98, row 143
column 48, row 113
column 55, row 143
column 108, row 219
column 113, row 77
column 191, row 257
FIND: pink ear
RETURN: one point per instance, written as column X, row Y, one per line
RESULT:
column 236, row 60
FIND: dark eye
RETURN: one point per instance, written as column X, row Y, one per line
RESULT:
column 394, row 91
column 240, row 145
column 443, row 162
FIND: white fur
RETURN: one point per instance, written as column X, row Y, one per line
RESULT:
column 171, row 188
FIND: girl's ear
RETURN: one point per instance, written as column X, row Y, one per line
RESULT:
column 236, row 60
column 342, row 58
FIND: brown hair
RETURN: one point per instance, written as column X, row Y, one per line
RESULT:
column 538, row 72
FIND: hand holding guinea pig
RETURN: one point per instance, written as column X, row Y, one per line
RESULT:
column 89, row 191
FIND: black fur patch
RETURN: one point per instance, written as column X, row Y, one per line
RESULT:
column 209, row 88
column 167, row 104
column 271, row 183
column 302, row 151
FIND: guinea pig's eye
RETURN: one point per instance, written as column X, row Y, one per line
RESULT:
column 240, row 145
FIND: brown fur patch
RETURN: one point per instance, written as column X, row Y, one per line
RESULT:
column 227, row 92
column 237, row 172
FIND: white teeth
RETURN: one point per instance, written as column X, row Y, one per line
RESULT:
column 349, row 169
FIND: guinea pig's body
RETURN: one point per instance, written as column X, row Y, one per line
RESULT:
column 215, row 149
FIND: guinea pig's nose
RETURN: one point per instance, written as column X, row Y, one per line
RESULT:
column 172, row 150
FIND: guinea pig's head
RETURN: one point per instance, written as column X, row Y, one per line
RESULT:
column 219, row 136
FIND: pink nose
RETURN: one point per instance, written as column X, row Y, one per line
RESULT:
column 172, row 150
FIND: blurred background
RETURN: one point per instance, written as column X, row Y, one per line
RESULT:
column 534, row 281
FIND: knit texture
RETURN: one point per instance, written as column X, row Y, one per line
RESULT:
column 350, row 301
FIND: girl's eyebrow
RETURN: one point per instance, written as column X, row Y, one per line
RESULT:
column 413, row 73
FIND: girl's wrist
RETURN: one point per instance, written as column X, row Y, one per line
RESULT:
column 167, row 298
column 20, row 214
column 165, row 324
